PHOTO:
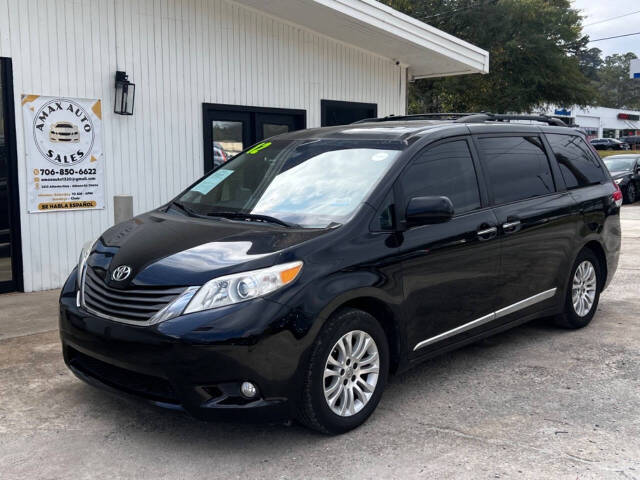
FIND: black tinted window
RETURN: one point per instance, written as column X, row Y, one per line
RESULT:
column 578, row 166
column 517, row 168
column 446, row 170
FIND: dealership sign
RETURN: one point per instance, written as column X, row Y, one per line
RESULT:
column 65, row 168
column 634, row 68
column 628, row 116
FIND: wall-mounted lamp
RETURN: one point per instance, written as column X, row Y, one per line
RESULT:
column 125, row 95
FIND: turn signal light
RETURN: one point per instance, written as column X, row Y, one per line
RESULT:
column 287, row 276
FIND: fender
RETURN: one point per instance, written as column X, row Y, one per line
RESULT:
column 362, row 286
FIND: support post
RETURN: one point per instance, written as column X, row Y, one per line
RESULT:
column 122, row 208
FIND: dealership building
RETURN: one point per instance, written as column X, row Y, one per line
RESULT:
column 600, row 122
column 137, row 97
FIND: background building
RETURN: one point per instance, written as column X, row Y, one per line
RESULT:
column 601, row 122
column 210, row 76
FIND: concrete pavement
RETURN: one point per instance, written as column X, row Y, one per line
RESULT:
column 534, row 402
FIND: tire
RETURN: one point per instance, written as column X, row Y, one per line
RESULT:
column 575, row 316
column 315, row 410
column 630, row 193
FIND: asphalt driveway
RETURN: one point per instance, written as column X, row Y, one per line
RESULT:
column 535, row 402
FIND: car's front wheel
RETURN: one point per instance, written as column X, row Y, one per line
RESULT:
column 347, row 373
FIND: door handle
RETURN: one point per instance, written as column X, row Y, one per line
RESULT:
column 487, row 233
column 511, row 227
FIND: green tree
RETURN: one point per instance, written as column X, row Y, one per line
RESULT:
column 537, row 55
column 590, row 61
column 615, row 88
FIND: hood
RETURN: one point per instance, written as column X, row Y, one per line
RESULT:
column 175, row 250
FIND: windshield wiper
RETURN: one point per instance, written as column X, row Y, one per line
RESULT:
column 252, row 217
column 182, row 207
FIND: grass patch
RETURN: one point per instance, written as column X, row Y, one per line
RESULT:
column 606, row 153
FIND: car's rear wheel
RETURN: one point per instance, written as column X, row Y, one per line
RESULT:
column 347, row 373
column 631, row 193
column 583, row 293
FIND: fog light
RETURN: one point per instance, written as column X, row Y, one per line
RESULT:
column 248, row 389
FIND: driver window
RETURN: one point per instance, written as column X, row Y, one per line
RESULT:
column 444, row 170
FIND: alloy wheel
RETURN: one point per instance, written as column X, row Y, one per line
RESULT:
column 351, row 373
column 631, row 193
column 583, row 291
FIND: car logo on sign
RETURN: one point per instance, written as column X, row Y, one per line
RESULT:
column 121, row 273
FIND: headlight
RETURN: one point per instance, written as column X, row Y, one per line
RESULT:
column 84, row 255
column 241, row 287
column 618, row 180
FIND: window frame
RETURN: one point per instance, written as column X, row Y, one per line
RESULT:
column 326, row 105
column 553, row 165
column 400, row 199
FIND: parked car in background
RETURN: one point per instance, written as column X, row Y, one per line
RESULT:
column 633, row 141
column 609, row 144
column 625, row 171
column 292, row 281
column 219, row 155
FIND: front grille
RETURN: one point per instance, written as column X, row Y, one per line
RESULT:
column 147, row 386
column 135, row 305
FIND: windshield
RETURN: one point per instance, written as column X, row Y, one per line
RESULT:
column 311, row 183
column 619, row 164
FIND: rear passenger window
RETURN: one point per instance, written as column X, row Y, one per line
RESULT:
column 577, row 164
column 517, row 168
column 446, row 169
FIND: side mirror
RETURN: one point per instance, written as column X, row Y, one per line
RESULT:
column 428, row 210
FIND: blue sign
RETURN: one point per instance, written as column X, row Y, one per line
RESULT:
column 563, row 111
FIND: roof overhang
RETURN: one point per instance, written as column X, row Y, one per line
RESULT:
column 372, row 26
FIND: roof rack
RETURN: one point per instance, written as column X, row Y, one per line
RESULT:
column 419, row 116
column 468, row 118
column 493, row 117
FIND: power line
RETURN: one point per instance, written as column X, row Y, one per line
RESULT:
column 612, row 18
column 616, row 36
column 460, row 9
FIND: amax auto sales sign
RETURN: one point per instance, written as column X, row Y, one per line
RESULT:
column 65, row 167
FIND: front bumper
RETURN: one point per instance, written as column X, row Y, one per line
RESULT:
column 193, row 363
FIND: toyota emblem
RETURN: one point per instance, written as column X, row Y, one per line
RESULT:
column 121, row 273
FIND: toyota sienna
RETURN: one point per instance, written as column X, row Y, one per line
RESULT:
column 292, row 280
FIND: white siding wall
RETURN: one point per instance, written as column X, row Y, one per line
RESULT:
column 180, row 54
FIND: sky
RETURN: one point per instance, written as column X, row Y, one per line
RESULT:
column 598, row 10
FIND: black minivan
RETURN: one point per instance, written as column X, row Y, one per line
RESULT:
column 293, row 279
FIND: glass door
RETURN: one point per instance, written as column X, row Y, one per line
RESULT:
column 226, row 135
column 10, row 260
column 229, row 129
column 270, row 124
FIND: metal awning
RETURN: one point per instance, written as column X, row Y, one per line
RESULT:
column 372, row 26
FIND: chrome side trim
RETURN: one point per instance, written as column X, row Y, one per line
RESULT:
column 527, row 302
column 462, row 328
column 503, row 312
